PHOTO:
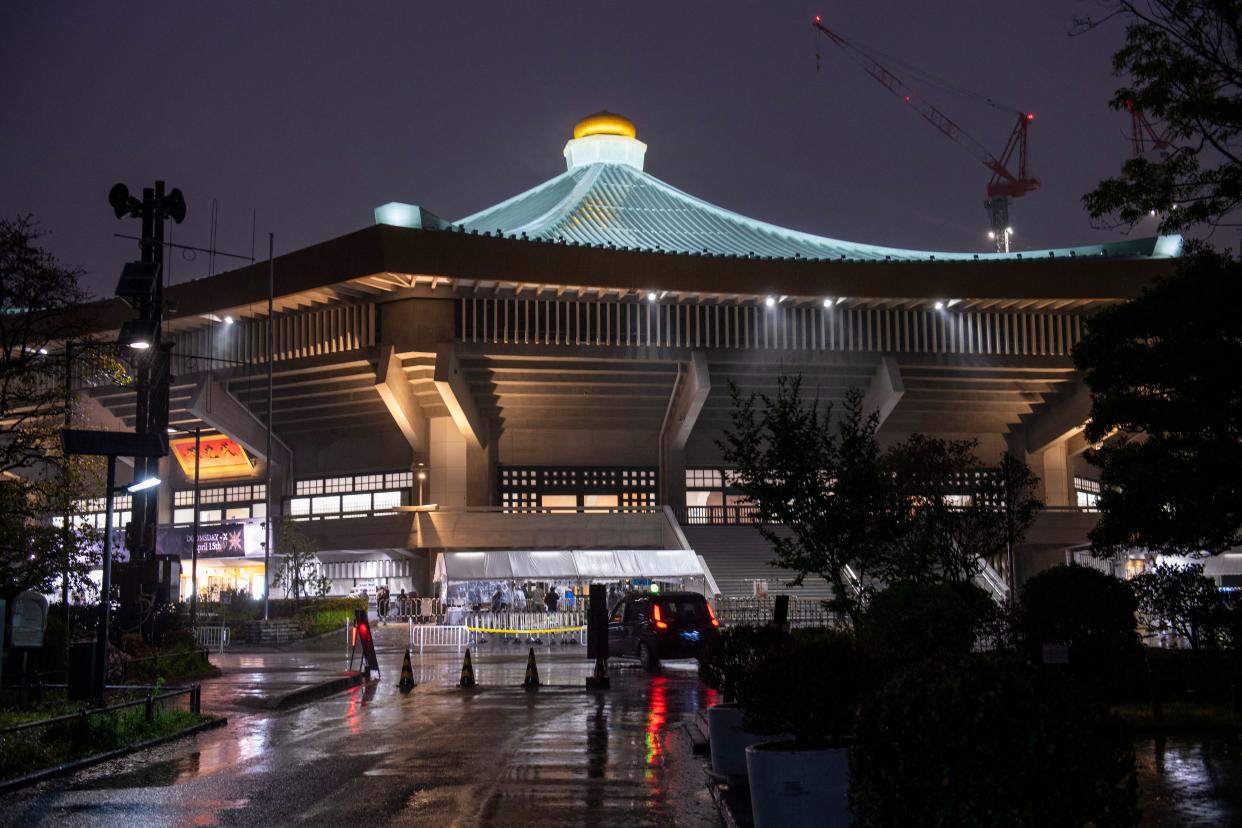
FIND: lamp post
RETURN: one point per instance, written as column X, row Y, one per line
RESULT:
column 111, row 444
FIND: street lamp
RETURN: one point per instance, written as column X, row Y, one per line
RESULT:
column 111, row 444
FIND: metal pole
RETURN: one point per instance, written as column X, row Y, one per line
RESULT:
column 105, row 590
column 194, row 550
column 267, row 489
column 66, row 536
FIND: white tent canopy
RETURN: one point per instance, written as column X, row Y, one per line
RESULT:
column 587, row 564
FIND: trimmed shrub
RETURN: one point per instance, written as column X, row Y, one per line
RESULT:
column 807, row 685
column 1090, row 612
column 912, row 622
column 989, row 740
column 734, row 655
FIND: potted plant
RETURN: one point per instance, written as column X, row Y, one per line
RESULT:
column 808, row 687
column 732, row 656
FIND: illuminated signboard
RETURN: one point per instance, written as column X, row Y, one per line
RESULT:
column 221, row 457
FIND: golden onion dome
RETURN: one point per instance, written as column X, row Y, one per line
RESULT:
column 604, row 123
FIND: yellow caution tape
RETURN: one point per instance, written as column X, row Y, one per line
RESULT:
column 525, row 632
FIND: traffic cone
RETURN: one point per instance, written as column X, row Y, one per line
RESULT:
column 467, row 672
column 531, row 682
column 407, row 675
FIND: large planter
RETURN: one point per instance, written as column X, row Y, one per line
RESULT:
column 729, row 741
column 791, row 788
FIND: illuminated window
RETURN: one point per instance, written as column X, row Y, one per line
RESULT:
column 356, row 503
column 299, row 506
column 599, row 503
column 183, row 515
column 559, row 503
column 385, row 501
column 237, row 513
column 326, row 505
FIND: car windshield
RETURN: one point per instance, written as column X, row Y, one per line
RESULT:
column 684, row 610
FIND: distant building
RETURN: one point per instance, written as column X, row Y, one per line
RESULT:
column 552, row 373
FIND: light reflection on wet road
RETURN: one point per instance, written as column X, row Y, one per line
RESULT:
column 1190, row 782
column 439, row 756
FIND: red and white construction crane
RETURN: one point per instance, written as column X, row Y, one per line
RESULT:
column 1004, row 183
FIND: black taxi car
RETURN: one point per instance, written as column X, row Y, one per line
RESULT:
column 655, row 626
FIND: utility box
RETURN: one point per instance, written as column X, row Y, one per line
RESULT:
column 29, row 620
column 81, row 671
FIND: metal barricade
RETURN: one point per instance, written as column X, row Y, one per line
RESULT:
column 423, row 636
column 212, row 638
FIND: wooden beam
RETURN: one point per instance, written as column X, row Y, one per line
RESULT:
column 393, row 387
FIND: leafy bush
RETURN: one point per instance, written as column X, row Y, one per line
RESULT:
column 734, row 655
column 911, row 622
column 806, row 685
column 323, row 615
column 1090, row 612
column 989, row 740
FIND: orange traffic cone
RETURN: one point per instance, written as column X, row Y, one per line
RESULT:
column 531, row 682
column 406, row 684
column 467, row 672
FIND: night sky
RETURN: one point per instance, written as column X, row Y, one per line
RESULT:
column 313, row 113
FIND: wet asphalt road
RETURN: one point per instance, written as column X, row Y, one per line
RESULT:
column 438, row 756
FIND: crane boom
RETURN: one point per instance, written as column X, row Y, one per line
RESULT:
column 1004, row 184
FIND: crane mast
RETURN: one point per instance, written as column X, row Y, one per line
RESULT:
column 1003, row 185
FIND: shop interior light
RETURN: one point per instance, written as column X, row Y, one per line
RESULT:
column 149, row 483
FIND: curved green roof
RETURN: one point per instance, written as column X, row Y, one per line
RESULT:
column 619, row 206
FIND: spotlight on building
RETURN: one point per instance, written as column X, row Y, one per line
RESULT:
column 141, row 485
column 770, row 302
column 940, row 306
column 840, row 300
column 651, row 296
column 953, row 302
column 228, row 320
column 991, row 234
column 828, row 302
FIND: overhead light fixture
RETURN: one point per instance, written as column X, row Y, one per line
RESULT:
column 149, row 483
column 940, row 306
column 828, row 302
column 138, row 334
column 953, row 302
column 840, row 300
column 651, row 296
column 228, row 320
column 770, row 302
column 1008, row 231
column 170, row 430
column 991, row 234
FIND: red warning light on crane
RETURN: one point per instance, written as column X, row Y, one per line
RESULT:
column 1030, row 116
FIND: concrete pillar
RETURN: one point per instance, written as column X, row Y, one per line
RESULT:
column 481, row 469
column 673, row 485
column 1056, row 475
column 447, row 475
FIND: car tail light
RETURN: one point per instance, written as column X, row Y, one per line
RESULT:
column 711, row 612
column 660, row 623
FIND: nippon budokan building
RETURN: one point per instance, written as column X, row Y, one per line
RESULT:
column 535, row 391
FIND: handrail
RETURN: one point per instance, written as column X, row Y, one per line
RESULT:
column 193, row 691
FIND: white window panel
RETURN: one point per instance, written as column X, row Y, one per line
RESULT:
column 183, row 515
column 209, row 516
column 258, row 510
column 299, row 506
column 328, row 505
column 385, row 501
column 356, row 503
column 237, row 513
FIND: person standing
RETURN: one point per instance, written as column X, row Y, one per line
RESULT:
column 381, row 603
column 403, row 604
column 551, row 599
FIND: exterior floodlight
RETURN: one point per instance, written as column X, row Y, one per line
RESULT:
column 1008, row 231
column 828, row 303
column 953, row 302
column 171, row 430
column 422, row 475
column 842, row 299
column 940, row 306
column 651, row 296
column 770, row 302
column 228, row 320
column 991, row 234
column 138, row 334
column 141, row 485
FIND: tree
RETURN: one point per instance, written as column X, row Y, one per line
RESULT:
column 1182, row 599
column 1183, row 59
column 38, row 300
column 957, row 513
column 823, row 483
column 298, row 573
column 1162, row 370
